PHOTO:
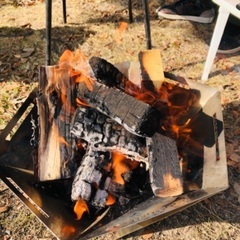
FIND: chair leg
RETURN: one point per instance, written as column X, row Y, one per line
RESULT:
column 215, row 41
column 147, row 24
column 64, row 11
column 48, row 31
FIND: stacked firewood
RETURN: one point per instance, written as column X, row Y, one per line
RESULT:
column 112, row 115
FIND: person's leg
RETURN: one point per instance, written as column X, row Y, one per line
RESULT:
column 230, row 42
column 202, row 11
column 193, row 10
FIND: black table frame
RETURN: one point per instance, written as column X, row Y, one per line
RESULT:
column 49, row 24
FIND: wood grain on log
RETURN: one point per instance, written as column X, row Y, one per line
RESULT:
column 152, row 67
column 55, row 142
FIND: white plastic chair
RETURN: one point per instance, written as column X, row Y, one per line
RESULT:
column 226, row 7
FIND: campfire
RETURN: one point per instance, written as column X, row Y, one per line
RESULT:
column 110, row 137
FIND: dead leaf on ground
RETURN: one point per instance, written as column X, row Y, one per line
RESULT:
column 235, row 157
column 235, row 114
column 236, row 187
column 26, row 25
column 147, row 234
column 27, row 52
column 4, row 207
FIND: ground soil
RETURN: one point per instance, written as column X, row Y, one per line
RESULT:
column 94, row 27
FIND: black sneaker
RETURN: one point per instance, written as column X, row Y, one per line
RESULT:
column 191, row 10
column 230, row 42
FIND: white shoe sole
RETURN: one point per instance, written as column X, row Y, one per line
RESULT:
column 206, row 17
column 230, row 51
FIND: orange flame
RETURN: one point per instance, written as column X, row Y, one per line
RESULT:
column 80, row 208
column 107, row 167
column 121, row 165
column 120, row 31
column 63, row 141
column 75, row 64
column 81, row 102
column 67, row 231
column 110, row 200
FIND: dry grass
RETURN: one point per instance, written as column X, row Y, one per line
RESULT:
column 93, row 26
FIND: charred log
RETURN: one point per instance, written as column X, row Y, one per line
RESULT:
column 136, row 116
column 90, row 176
column 93, row 181
column 104, row 134
column 106, row 73
column 164, row 166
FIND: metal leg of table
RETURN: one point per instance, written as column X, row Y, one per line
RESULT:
column 147, row 24
column 64, row 11
column 48, row 31
column 130, row 11
column 146, row 21
column 49, row 27
column 49, row 24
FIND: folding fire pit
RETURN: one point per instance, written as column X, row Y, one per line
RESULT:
column 167, row 170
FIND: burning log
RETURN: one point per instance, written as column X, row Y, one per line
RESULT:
column 100, row 178
column 136, row 116
column 93, row 180
column 104, row 134
column 175, row 101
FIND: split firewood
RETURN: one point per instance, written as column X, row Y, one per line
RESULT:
column 104, row 134
column 134, row 115
column 55, row 144
column 152, row 67
column 165, row 172
column 109, row 75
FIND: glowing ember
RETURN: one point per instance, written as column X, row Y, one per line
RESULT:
column 110, row 200
column 81, row 103
column 67, row 231
column 80, row 208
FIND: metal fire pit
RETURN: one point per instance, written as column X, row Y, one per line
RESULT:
column 16, row 170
